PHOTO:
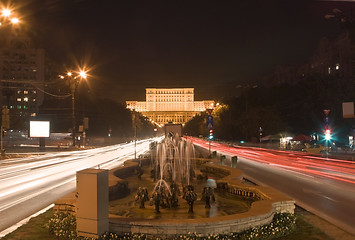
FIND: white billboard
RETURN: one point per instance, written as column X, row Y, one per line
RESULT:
column 39, row 128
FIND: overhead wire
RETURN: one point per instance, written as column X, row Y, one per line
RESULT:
column 33, row 84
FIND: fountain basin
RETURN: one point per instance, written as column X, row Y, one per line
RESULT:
column 261, row 212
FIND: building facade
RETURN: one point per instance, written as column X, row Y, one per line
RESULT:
column 170, row 105
column 22, row 74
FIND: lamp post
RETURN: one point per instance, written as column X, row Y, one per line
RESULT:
column 134, row 121
column 73, row 83
column 6, row 17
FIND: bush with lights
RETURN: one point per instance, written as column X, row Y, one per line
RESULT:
column 63, row 226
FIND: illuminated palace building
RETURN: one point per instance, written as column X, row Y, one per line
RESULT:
column 170, row 105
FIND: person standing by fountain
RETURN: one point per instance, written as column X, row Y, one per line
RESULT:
column 207, row 195
column 157, row 199
column 139, row 171
column 190, row 196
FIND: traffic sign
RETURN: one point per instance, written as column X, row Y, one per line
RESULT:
column 326, row 112
column 209, row 122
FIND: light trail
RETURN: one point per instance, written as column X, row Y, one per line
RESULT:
column 336, row 169
column 323, row 186
column 47, row 177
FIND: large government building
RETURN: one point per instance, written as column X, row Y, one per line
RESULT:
column 170, row 105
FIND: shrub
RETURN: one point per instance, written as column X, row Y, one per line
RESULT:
column 63, row 226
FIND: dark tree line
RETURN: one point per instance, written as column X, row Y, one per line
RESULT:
column 289, row 107
column 105, row 116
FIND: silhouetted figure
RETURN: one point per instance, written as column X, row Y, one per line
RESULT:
column 192, row 174
column 208, row 195
column 190, row 196
column 165, row 200
column 142, row 196
column 157, row 199
column 174, row 188
column 139, row 171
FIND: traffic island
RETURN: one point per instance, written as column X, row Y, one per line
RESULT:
column 265, row 203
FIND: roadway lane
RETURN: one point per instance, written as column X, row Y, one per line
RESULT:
column 28, row 185
column 323, row 186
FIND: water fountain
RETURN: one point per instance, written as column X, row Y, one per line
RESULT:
column 178, row 187
column 173, row 163
column 173, row 174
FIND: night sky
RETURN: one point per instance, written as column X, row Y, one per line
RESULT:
column 210, row 45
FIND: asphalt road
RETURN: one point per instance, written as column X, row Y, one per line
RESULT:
column 30, row 184
column 323, row 186
column 326, row 198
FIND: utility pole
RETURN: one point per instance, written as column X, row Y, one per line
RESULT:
column 5, row 124
column 134, row 122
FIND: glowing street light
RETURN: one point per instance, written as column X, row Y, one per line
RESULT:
column 83, row 74
column 6, row 17
column 14, row 20
column 73, row 82
column 6, row 12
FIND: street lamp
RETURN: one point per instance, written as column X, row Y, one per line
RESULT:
column 7, row 17
column 73, row 83
column 134, row 121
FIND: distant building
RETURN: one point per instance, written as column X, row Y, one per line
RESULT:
column 170, row 105
column 22, row 73
column 332, row 58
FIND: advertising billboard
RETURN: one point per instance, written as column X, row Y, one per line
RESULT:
column 348, row 109
column 39, row 129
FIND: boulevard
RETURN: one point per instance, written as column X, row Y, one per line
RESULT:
column 82, row 74
column 323, row 186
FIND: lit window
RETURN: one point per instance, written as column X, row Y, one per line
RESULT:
column 33, row 114
column 18, row 107
column 19, row 99
column 328, row 70
column 18, row 92
column 25, row 99
column 25, row 92
column 34, row 100
column 337, row 66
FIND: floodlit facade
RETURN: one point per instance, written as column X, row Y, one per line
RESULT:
column 170, row 105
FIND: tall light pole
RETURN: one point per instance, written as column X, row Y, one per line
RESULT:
column 134, row 121
column 6, row 18
column 73, row 82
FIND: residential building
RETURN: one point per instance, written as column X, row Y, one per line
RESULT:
column 22, row 71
